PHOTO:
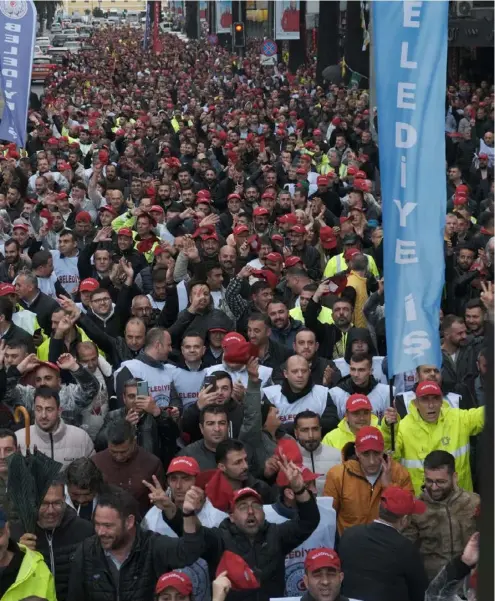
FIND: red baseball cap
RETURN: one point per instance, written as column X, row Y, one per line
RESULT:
column 88, row 285
column 306, row 473
column 350, row 253
column 243, row 493
column 290, row 218
column 483, row 157
column 351, row 170
column 125, row 231
column 322, row 180
column 344, row 219
column 277, row 238
column 275, row 257
column 258, row 211
column 238, row 571
column 108, row 208
column 369, row 438
column 320, row 558
column 428, row 388
column 401, row 502
column 177, row 580
column 48, row 364
column 298, row 229
column 240, row 229
column 268, row 194
column 356, row 402
column 233, row 195
column 210, row 236
column 289, row 448
column 184, row 465
column 291, row 261
column 83, row 216
column 232, row 337
column 6, row 288
column 156, row 209
column 266, row 274
column 20, row 226
column 360, row 175
column 301, row 171
column 328, row 238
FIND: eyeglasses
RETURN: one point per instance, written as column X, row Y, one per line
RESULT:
column 100, row 300
column 56, row 505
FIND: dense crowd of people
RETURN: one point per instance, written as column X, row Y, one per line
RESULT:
column 192, row 312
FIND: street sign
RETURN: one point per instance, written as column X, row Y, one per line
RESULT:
column 213, row 39
column 269, row 48
column 268, row 60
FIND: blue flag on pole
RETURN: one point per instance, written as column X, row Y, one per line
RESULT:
column 410, row 45
column 18, row 32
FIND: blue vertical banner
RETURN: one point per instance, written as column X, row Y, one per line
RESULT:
column 147, row 26
column 410, row 45
column 18, row 32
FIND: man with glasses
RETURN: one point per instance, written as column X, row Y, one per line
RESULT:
column 58, row 532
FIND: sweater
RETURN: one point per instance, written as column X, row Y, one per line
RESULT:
column 130, row 474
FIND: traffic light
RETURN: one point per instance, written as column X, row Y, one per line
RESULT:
column 239, row 35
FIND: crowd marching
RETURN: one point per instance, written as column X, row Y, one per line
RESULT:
column 192, row 315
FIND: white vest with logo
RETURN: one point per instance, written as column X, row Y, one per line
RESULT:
column 265, row 373
column 159, row 380
column 452, row 399
column 66, row 271
column 210, row 517
column 378, row 374
column 379, row 398
column 323, row 536
column 188, row 384
column 315, row 400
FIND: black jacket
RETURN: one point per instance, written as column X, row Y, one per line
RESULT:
column 58, row 546
column 265, row 555
column 190, row 420
column 326, row 334
column 152, row 555
column 43, row 306
column 381, row 565
column 463, row 371
column 198, row 322
column 311, row 259
column 276, row 356
column 17, row 334
column 157, row 435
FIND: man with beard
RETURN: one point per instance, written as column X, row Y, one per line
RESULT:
column 119, row 540
column 361, row 381
column 459, row 278
column 458, row 354
column 316, row 457
column 323, row 576
column 261, row 544
column 198, row 315
column 57, row 534
column 444, row 529
column 13, row 263
column 332, row 338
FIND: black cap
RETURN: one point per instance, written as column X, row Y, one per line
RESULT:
column 265, row 408
column 350, row 239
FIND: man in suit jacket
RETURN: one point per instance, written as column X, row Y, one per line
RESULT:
column 31, row 297
column 379, row 563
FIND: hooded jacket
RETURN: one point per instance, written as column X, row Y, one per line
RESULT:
column 33, row 578
column 59, row 545
column 415, row 438
column 444, row 529
column 355, row 499
column 198, row 322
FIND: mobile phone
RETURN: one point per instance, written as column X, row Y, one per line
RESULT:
column 210, row 381
column 142, row 389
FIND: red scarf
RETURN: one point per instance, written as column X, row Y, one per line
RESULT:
column 145, row 246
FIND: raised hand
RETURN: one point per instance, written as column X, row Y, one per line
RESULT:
column 238, row 391
column 158, row 497
column 193, row 501
column 293, row 474
column 221, row 587
column 28, row 364
column 471, row 553
column 253, row 369
column 68, row 362
column 206, row 396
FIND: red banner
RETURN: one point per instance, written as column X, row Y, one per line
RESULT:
column 157, row 46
